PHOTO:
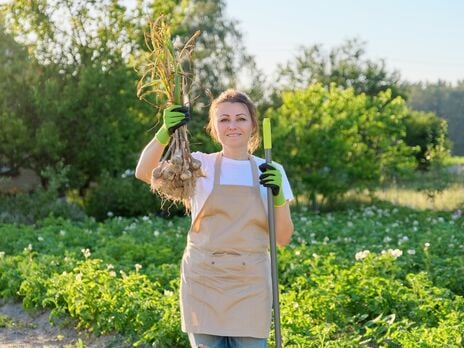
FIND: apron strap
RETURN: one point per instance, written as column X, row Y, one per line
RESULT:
column 217, row 169
column 255, row 172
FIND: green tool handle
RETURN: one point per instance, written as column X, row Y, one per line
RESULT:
column 267, row 133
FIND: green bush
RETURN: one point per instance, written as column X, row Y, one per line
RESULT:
column 30, row 207
column 120, row 196
column 340, row 141
column 430, row 133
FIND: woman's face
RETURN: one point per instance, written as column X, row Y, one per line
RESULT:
column 233, row 124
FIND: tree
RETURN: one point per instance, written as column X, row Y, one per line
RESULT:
column 447, row 102
column 82, row 109
column 345, row 65
column 16, row 74
column 339, row 140
column 429, row 132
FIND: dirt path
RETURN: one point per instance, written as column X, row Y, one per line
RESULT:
column 19, row 329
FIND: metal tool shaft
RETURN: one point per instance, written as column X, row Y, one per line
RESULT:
column 273, row 247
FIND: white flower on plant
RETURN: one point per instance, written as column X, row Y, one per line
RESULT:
column 297, row 252
column 40, row 238
column 440, row 219
column 414, row 228
column 415, row 223
column 368, row 212
column 349, row 224
column 123, row 274
column 2, row 254
column 28, row 248
column 393, row 252
column 78, row 277
column 411, row 252
column 457, row 214
column 128, row 173
column 387, row 239
column 145, row 218
column 316, row 256
column 403, row 239
column 168, row 293
column 112, row 274
column 361, row 255
column 426, row 246
column 156, row 233
column 131, row 227
column 86, row 252
column 109, row 266
column 62, row 233
column 138, row 267
column 110, row 214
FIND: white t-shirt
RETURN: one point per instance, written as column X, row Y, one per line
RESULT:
column 233, row 172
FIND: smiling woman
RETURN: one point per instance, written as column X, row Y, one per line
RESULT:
column 225, row 276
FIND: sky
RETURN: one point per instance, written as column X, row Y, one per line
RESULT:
column 422, row 39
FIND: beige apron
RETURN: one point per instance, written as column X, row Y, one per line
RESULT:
column 225, row 273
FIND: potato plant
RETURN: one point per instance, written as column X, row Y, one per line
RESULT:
column 373, row 276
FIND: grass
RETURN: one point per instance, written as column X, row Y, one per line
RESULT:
column 449, row 199
column 455, row 160
column 438, row 191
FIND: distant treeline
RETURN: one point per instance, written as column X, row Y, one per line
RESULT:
column 446, row 101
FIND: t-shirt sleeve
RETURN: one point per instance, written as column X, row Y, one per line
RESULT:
column 288, row 193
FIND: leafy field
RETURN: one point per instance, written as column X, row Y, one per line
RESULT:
column 371, row 276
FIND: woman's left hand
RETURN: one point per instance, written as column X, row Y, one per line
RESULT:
column 272, row 178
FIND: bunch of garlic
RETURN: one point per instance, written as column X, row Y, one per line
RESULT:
column 174, row 178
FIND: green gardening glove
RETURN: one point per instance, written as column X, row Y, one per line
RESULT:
column 272, row 178
column 174, row 117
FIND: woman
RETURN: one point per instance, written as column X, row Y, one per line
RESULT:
column 226, row 298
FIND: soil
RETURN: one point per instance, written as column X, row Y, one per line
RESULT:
column 20, row 329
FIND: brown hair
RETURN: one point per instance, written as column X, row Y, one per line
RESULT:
column 234, row 96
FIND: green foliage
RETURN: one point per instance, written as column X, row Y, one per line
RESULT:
column 44, row 201
column 445, row 100
column 15, row 95
column 429, row 133
column 81, row 106
column 120, row 196
column 339, row 141
column 71, row 91
column 374, row 276
column 345, row 65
